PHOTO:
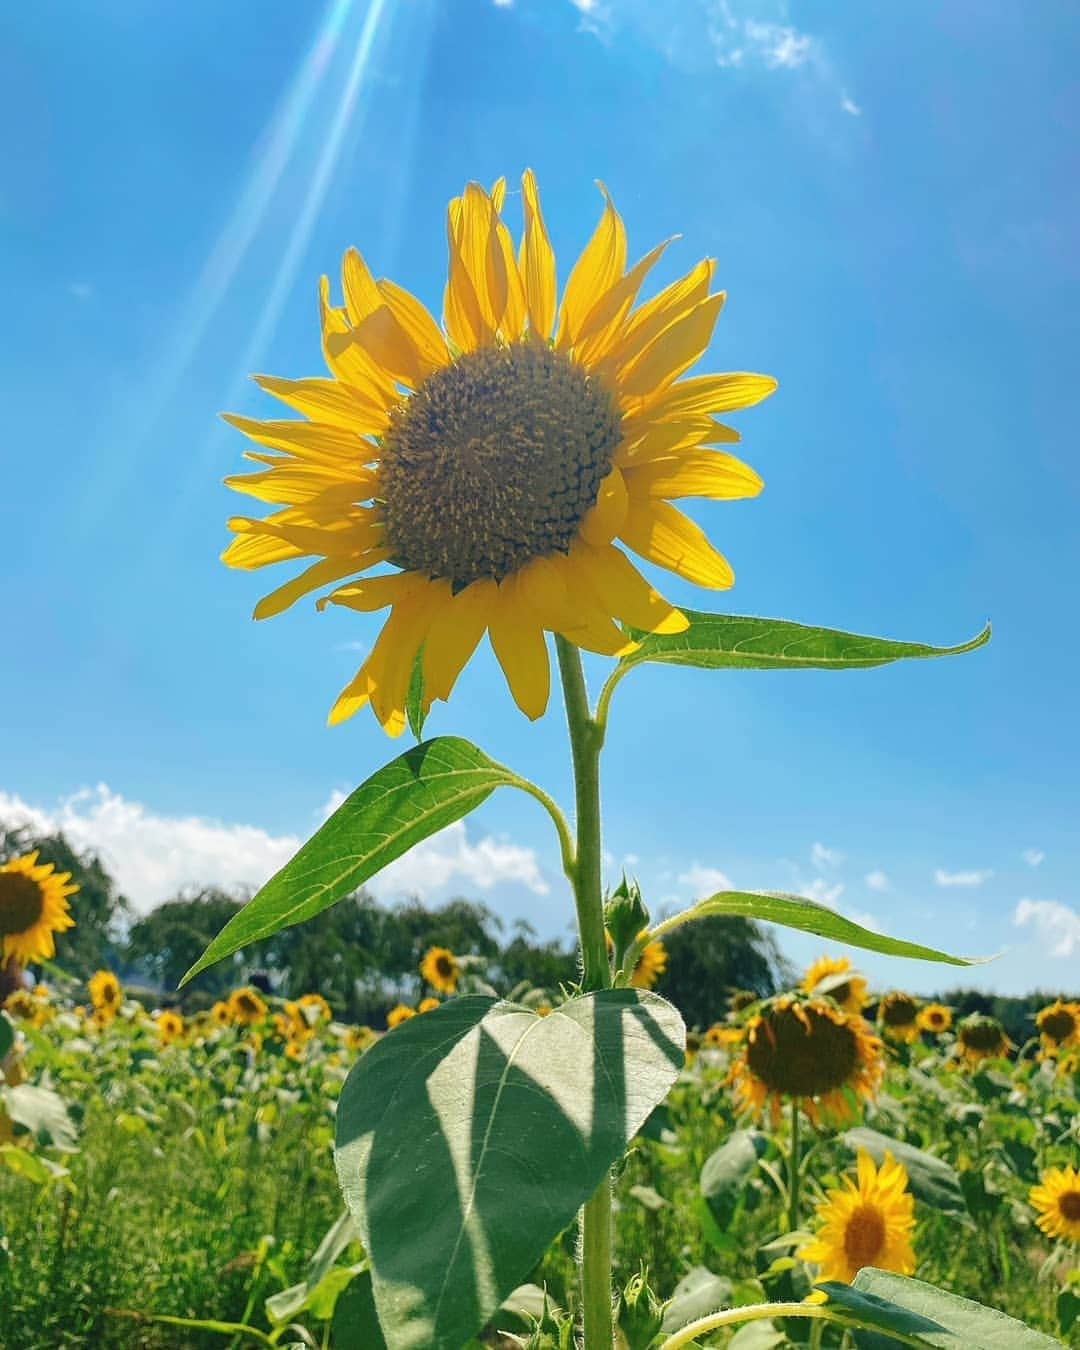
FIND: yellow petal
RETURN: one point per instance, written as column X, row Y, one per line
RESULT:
column 329, row 402
column 312, row 441
column 551, row 586
column 712, row 393
column 512, row 324
column 348, row 361
column 601, row 325
column 537, row 261
column 695, row 473
column 249, row 551
column 381, row 337
column 462, row 316
column 374, row 592
column 623, row 591
column 361, row 293
column 603, row 521
column 498, row 194
column 482, row 255
column 353, row 533
column 600, row 265
column 649, row 320
column 417, row 324
column 319, row 574
column 453, row 637
column 675, row 350
column 294, row 484
column 642, row 442
column 663, row 535
column 517, row 639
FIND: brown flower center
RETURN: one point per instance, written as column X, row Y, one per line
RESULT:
column 899, row 1011
column 22, row 902
column 1059, row 1025
column 801, row 1059
column 985, row 1037
column 445, row 966
column 864, row 1236
column 494, row 461
column 1069, row 1203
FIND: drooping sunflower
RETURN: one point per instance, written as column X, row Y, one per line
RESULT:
column 427, row 1005
column 33, row 906
column 170, row 1026
column 492, row 465
column 810, row 1051
column 104, row 990
column 935, row 1018
column 898, row 1017
column 1059, row 1026
column 979, row 1037
column 399, row 1014
column 1057, row 1199
column 829, row 975
column 869, row 1224
column 246, row 1006
column 651, row 964
column 441, row 969
column 21, row 1003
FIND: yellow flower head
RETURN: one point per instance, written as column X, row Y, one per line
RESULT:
column 496, row 465
column 1059, row 1026
column 221, row 1014
column 824, row 976
column 650, row 966
column 401, row 1013
column 721, row 1035
column 359, row 1038
column 427, row 1005
column 294, row 1049
column 869, row 1224
column 811, row 1051
column 33, row 906
column 104, row 990
column 22, row 1004
column 313, row 1009
column 979, row 1037
column 441, row 969
column 246, row 1006
column 1057, row 1199
column 898, row 1017
column 42, row 991
column 935, row 1018
column 170, row 1026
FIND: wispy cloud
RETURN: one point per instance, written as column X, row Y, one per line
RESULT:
column 1056, row 924
column 1033, row 856
column 702, row 880
column 821, row 856
column 975, row 877
column 822, row 891
column 850, row 106
column 877, row 880
column 81, row 290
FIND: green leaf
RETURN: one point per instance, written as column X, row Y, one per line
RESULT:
column 414, row 699
column 737, row 642
column 284, row 1306
column 356, row 1324
column 421, row 792
column 965, row 1324
column 7, row 1034
column 865, row 1309
column 32, row 1166
column 469, row 1138
column 795, row 911
column 697, row 1294
column 726, row 1172
column 43, row 1113
column 931, row 1179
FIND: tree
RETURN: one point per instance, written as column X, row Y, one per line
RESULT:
column 168, row 941
column 710, row 957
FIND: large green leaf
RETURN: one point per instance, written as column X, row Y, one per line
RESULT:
column 421, row 792
column 469, row 1138
column 966, row 1324
column 43, row 1113
column 932, row 1180
column 697, row 1294
column 738, row 642
column 795, row 911
column 726, row 1172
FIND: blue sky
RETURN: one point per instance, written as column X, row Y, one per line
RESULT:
column 893, row 201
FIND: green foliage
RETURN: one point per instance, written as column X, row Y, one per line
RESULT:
column 708, row 959
column 168, row 940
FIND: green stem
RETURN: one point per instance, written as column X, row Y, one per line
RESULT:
column 586, row 739
column 794, row 1174
column 761, row 1312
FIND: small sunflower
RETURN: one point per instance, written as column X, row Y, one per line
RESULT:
column 401, row 1013
column 246, row 1007
column 359, row 1038
column 494, row 466
column 898, row 1017
column 935, row 1018
column 869, row 1224
column 721, row 1035
column 221, row 1014
column 651, row 964
column 427, row 1005
column 829, row 975
column 294, row 1049
column 441, row 969
column 170, row 1026
column 1057, row 1199
column 104, row 990
column 314, row 1009
column 33, row 906
column 811, row 1051
column 1059, row 1026
column 979, row 1037
column 22, row 1004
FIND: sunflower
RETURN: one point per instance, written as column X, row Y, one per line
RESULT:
column 979, row 1037
column 721, row 1035
column 494, row 466
column 427, row 1005
column 1059, row 1026
column 314, row 1009
column 22, row 1004
column 1057, row 1198
column 740, row 999
column 294, row 1049
column 246, row 1007
column 898, row 1016
column 441, row 969
column 221, row 1014
column 811, row 1051
column 401, row 1013
column 651, row 964
column 33, row 906
column 935, row 1017
column 826, row 976
column 104, row 990
column 359, row 1038
column 869, row 1224
column 170, row 1026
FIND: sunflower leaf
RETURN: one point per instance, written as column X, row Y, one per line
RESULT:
column 422, row 791
column 739, row 642
column 414, row 699
column 931, row 1179
column 469, row 1138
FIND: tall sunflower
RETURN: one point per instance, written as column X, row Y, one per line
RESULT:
column 810, row 1051
column 935, row 1018
column 246, row 1006
column 1059, row 1026
column 979, row 1037
column 651, row 964
column 869, row 1224
column 33, row 906
column 898, row 1017
column 1057, row 1199
column 441, row 969
column 833, row 975
column 496, row 465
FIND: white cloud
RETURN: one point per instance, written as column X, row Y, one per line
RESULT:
column 81, row 290
column 850, row 106
column 976, row 877
column 821, row 856
column 153, row 856
column 1056, row 924
column 1033, row 856
column 820, row 890
column 779, row 45
column 705, row 881
column 502, row 4
column 877, row 880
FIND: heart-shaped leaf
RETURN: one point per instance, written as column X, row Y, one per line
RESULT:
column 468, row 1138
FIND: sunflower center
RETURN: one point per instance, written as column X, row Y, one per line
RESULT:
column 1070, row 1205
column 802, row 1058
column 899, row 1011
column 494, row 461
column 22, row 902
column 985, row 1036
column 1059, row 1026
column 864, row 1236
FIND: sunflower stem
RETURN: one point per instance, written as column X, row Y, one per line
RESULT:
column 794, row 1173
column 586, row 740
